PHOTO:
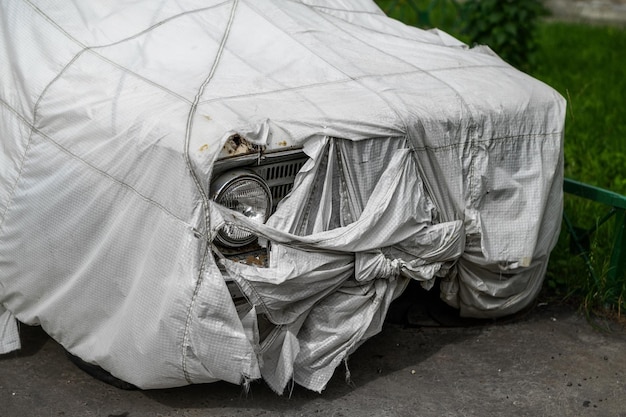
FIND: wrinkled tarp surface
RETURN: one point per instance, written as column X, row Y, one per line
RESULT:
column 427, row 159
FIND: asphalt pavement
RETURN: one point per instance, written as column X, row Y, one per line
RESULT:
column 550, row 362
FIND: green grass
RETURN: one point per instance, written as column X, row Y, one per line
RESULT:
column 586, row 65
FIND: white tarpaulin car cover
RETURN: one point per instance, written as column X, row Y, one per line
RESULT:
column 427, row 159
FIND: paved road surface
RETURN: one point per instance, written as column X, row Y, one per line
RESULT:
column 552, row 362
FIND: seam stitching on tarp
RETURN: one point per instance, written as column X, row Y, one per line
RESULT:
column 110, row 177
column 376, row 93
column 330, row 64
column 342, row 81
column 532, row 136
column 374, row 14
column 336, row 9
column 471, row 120
column 67, row 151
column 205, row 199
column 33, row 129
column 33, row 123
column 148, row 29
column 45, row 16
column 282, row 30
column 22, row 163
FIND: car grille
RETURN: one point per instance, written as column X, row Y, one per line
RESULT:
column 280, row 176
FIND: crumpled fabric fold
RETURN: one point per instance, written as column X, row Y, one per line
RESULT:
column 328, row 289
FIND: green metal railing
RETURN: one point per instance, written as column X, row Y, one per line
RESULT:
column 580, row 237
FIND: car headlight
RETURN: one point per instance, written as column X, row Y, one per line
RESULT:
column 247, row 193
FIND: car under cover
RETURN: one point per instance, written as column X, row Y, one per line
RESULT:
column 427, row 160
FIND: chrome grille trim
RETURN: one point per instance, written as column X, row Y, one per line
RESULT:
column 278, row 169
column 280, row 176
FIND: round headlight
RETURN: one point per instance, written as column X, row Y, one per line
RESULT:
column 247, row 193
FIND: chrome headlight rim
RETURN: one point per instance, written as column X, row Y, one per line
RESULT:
column 221, row 186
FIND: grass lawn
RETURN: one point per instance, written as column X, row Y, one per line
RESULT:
column 586, row 65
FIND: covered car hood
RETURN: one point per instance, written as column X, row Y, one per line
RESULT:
column 112, row 116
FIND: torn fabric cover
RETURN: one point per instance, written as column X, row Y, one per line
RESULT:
column 425, row 159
